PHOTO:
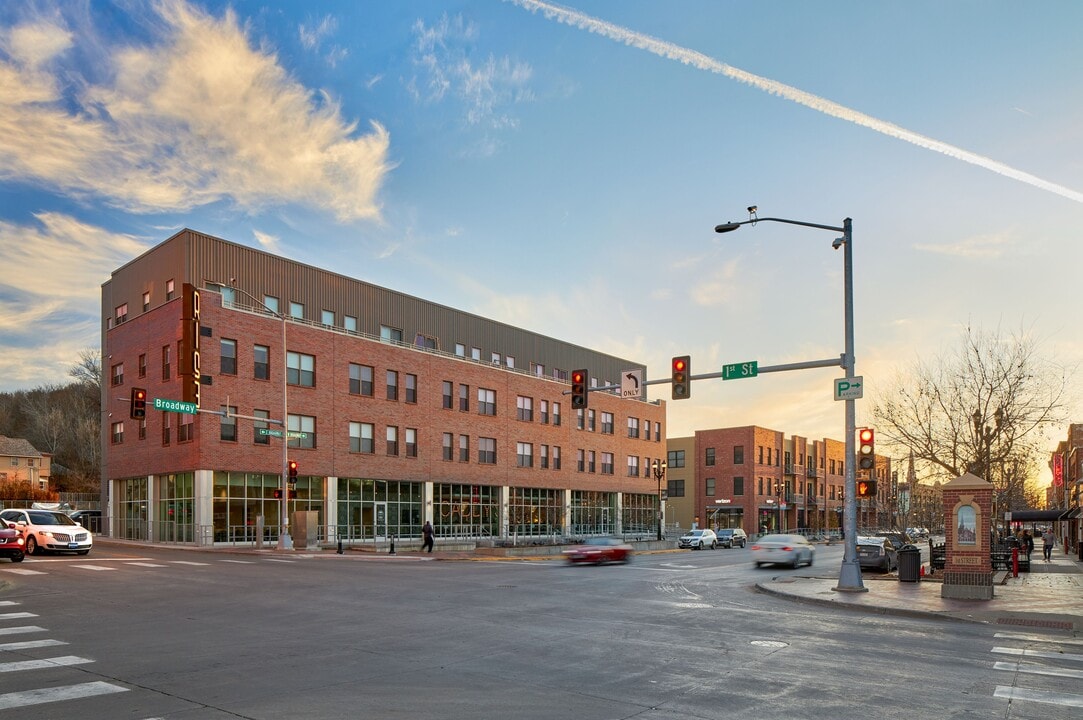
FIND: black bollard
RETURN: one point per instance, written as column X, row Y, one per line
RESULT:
column 392, row 545
column 340, row 546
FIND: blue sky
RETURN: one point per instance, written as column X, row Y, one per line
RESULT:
column 562, row 168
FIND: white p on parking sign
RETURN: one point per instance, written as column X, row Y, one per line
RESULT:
column 849, row 388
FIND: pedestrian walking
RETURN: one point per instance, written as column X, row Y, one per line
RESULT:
column 1048, row 541
column 1028, row 543
column 429, row 535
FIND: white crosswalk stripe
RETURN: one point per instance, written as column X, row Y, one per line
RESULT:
column 23, row 571
column 189, row 562
column 40, row 667
column 1045, row 661
column 94, row 567
column 147, row 564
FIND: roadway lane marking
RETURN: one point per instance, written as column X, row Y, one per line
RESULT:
column 21, row 630
column 16, row 615
column 1038, row 654
column 145, row 564
column 281, row 561
column 1035, row 669
column 1050, row 698
column 65, row 660
column 188, row 562
column 240, row 562
column 30, row 644
column 57, row 694
column 1037, row 638
column 8, row 603
column 93, row 567
column 24, row 571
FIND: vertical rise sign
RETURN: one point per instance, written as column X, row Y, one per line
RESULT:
column 189, row 346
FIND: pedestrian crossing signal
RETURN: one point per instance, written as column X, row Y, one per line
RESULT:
column 866, row 488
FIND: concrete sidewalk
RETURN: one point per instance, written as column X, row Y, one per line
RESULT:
column 1050, row 596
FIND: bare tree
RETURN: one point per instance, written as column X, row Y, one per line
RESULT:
column 88, row 371
column 983, row 408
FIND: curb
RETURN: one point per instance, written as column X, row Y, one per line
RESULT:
column 867, row 609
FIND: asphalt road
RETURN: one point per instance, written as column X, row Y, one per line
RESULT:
column 188, row 635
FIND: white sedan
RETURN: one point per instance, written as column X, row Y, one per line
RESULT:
column 792, row 550
column 49, row 530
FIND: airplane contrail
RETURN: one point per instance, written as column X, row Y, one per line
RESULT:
column 703, row 62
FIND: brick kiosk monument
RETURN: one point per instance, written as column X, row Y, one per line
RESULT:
column 968, row 512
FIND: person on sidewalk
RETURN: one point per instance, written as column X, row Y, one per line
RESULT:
column 429, row 535
column 1048, row 541
column 1028, row 543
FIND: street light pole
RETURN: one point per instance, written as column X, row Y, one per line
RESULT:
column 659, row 473
column 850, row 572
column 285, row 542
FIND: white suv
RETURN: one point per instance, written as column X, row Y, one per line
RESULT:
column 49, row 530
column 698, row 539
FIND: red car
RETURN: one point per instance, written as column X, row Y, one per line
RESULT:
column 11, row 543
column 599, row 550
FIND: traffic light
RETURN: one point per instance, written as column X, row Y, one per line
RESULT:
column 682, row 386
column 866, row 438
column 138, row 407
column 580, row 380
column 292, row 468
column 866, row 488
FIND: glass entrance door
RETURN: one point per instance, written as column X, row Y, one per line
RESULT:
column 379, row 529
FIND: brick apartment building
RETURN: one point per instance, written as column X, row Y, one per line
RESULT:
column 754, row 478
column 398, row 410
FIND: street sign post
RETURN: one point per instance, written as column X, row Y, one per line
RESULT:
column 177, row 406
column 271, row 432
column 736, row 371
column 850, row 388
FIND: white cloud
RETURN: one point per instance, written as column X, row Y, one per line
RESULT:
column 268, row 242
column 981, row 246
column 196, row 116
column 483, row 88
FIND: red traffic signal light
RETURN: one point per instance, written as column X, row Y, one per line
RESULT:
column 278, row 493
column 291, row 466
column 866, row 488
column 866, row 448
column 580, row 380
column 682, row 386
column 138, row 407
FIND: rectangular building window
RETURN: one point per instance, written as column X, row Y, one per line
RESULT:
column 121, row 313
column 580, row 460
column 261, row 362
column 486, row 402
column 392, row 440
column 116, row 434
column 448, row 400
column 556, row 457
column 302, row 425
column 709, row 457
column 117, row 374
column 544, row 411
column 524, row 455
column 228, row 425
column 350, row 323
column 186, row 428
column 543, row 457
column 738, row 486
column 738, row 454
column 297, row 310
column 166, row 427
column 658, row 432
column 580, row 419
column 360, row 380
column 327, row 317
column 633, row 427
column 392, row 385
column 524, row 408
column 591, row 461
column 487, row 451
column 675, row 488
column 257, row 425
column 227, row 361
column 449, row 446
column 475, row 354
column 633, row 466
column 271, row 302
column 167, row 354
column 411, row 442
column 464, row 448
column 710, row 487
column 590, row 420
column 411, row 388
column 607, row 463
column 142, row 365
column 170, row 290
column 362, row 438
column 556, row 413
column 301, row 369
column 675, row 459
column 390, row 334
column 146, row 301
column 464, row 398
column 607, row 423
column 460, row 350
column 142, row 435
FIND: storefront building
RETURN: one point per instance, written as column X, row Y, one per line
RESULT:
column 397, row 411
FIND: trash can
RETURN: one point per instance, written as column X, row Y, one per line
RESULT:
column 909, row 564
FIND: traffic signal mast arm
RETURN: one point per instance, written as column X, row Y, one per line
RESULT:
column 831, row 362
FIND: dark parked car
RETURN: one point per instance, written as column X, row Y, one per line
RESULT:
column 877, row 553
column 728, row 537
column 90, row 519
column 11, row 543
column 599, row 550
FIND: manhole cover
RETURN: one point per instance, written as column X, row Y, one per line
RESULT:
column 1027, row 622
column 769, row 643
